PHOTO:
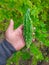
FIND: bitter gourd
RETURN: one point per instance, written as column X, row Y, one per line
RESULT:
column 27, row 28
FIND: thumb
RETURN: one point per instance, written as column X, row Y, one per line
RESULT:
column 11, row 25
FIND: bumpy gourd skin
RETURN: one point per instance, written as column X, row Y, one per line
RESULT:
column 27, row 28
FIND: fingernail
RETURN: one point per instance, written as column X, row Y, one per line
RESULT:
column 11, row 20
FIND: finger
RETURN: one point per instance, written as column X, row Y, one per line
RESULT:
column 11, row 25
column 20, row 27
column 33, row 40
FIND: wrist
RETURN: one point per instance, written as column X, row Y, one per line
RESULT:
column 9, row 45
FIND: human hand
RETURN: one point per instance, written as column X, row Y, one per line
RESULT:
column 15, row 37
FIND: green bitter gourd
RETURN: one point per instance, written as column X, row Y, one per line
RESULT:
column 28, row 28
